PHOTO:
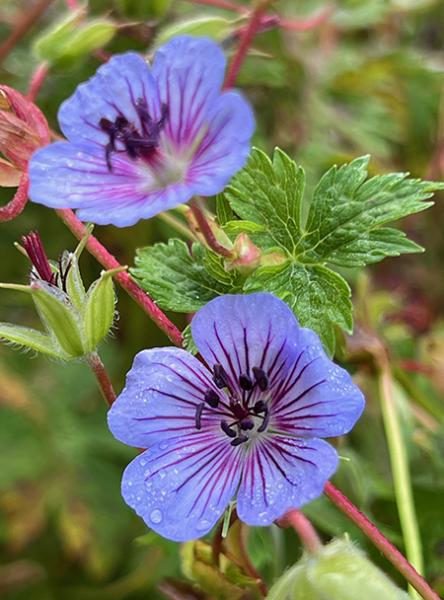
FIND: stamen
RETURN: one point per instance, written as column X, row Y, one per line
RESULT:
column 246, row 424
column 265, row 422
column 220, row 377
column 261, row 378
column 259, row 407
column 37, row 255
column 211, row 398
column 198, row 417
column 245, row 382
column 227, row 429
column 239, row 440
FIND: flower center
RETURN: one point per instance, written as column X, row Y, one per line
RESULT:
column 248, row 413
column 134, row 142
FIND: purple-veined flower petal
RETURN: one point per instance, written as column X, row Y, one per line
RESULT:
column 112, row 91
column 189, row 72
column 316, row 398
column 160, row 398
column 181, row 487
column 65, row 175
column 282, row 473
column 242, row 332
column 224, row 149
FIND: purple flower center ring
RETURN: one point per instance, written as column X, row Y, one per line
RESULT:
column 247, row 423
column 142, row 139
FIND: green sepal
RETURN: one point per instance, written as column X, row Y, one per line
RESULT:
column 74, row 283
column 98, row 315
column 59, row 316
column 30, row 338
column 338, row 571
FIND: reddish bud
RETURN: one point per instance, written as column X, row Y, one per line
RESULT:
column 23, row 129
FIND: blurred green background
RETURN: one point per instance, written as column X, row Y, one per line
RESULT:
column 369, row 79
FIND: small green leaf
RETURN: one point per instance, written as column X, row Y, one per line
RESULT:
column 29, row 338
column 269, row 193
column 53, row 40
column 99, row 309
column 347, row 211
column 224, row 211
column 215, row 28
column 59, row 317
column 177, row 279
column 91, row 36
column 188, row 342
column 319, row 297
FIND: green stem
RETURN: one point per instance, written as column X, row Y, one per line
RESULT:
column 176, row 224
column 400, row 470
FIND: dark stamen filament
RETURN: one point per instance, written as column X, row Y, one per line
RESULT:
column 199, row 410
column 220, row 377
column 261, row 378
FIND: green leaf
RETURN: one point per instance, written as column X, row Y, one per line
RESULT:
column 348, row 209
column 52, row 41
column 177, row 279
column 270, row 193
column 29, row 338
column 224, row 211
column 188, row 341
column 319, row 297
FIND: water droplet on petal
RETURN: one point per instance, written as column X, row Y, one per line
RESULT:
column 203, row 525
column 156, row 516
column 162, row 473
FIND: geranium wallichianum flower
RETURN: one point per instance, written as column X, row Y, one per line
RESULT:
column 142, row 140
column 248, row 424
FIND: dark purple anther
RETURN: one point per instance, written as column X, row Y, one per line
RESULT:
column 227, row 429
column 220, row 377
column 245, row 382
column 37, row 255
column 198, row 416
column 239, row 440
column 211, row 398
column 265, row 422
column 246, row 424
column 261, row 378
column 259, row 407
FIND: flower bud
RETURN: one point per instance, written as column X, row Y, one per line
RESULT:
column 75, row 321
column 23, row 129
column 246, row 254
column 339, row 571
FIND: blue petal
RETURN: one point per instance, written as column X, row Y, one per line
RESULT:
column 245, row 331
column 283, row 473
column 317, row 398
column 189, row 72
column 112, row 91
column 159, row 401
column 65, row 175
column 181, row 487
column 226, row 145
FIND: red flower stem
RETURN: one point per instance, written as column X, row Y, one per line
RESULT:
column 18, row 203
column 37, row 80
column 206, row 230
column 247, row 564
column 108, row 261
column 305, row 530
column 103, row 379
column 72, row 4
column 245, row 42
column 392, row 554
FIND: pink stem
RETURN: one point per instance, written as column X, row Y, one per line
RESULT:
column 108, row 261
column 207, row 232
column 245, row 41
column 305, row 530
column 37, row 80
column 225, row 4
column 391, row 553
column 18, row 203
column 72, row 4
column 103, row 379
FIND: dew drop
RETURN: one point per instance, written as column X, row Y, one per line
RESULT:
column 162, row 473
column 156, row 516
column 203, row 525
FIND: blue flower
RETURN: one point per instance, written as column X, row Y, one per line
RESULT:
column 247, row 424
column 142, row 140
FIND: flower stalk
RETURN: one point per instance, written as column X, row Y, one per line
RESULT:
column 305, row 530
column 102, row 377
column 392, row 554
column 207, row 232
column 16, row 206
column 108, row 261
